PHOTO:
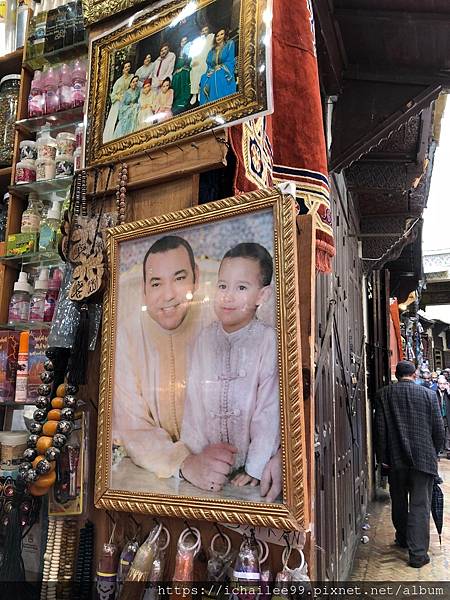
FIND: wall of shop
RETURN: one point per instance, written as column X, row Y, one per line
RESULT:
column 340, row 446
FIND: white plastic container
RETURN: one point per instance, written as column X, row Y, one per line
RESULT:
column 13, row 444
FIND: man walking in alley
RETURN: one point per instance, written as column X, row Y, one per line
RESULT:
column 409, row 433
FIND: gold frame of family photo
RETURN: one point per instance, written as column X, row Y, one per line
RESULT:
column 292, row 511
column 252, row 97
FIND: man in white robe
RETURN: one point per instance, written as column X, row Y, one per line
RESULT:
column 163, row 66
column 156, row 330
column 198, row 52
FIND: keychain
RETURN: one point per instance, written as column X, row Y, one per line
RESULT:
column 184, row 562
column 298, row 575
column 266, row 574
column 246, row 573
column 159, row 563
column 219, row 562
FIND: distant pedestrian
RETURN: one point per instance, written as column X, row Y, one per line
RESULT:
column 409, row 433
column 418, row 380
column 443, row 396
column 427, row 381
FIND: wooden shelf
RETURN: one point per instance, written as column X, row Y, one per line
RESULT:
column 5, row 178
column 11, row 63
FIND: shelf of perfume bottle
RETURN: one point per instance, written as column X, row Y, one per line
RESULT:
column 11, row 63
column 68, row 53
column 24, row 326
column 32, row 260
column 63, row 119
column 47, row 186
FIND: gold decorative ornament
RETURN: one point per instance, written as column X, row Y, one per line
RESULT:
column 292, row 511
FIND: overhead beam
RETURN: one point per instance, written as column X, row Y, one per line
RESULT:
column 392, row 15
column 382, row 131
column 335, row 61
column 398, row 75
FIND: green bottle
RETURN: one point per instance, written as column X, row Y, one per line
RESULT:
column 49, row 231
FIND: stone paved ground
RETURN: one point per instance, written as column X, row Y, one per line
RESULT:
column 380, row 560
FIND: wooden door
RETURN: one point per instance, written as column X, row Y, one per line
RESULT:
column 341, row 455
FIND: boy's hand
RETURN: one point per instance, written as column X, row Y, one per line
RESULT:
column 244, row 479
column 209, row 469
column 271, row 480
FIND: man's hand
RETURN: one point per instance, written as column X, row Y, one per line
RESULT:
column 244, row 479
column 210, row 468
column 271, row 484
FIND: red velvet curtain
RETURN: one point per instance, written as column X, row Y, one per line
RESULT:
column 289, row 145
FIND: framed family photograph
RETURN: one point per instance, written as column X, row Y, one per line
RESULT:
column 200, row 412
column 176, row 71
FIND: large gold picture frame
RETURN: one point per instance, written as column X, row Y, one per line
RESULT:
column 289, row 512
column 146, row 34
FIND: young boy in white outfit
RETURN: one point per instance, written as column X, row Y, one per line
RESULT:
column 232, row 390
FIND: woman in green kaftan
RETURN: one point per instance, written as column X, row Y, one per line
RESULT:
column 181, row 78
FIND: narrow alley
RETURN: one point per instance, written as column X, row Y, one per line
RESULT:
column 381, row 560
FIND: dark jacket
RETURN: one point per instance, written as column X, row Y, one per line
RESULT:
column 409, row 430
column 446, row 400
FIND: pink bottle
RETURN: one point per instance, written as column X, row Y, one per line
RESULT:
column 78, row 83
column 52, row 295
column 65, row 88
column 51, row 80
column 36, row 99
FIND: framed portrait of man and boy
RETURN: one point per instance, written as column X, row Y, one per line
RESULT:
column 175, row 70
column 201, row 409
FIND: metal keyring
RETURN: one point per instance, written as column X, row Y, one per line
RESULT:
column 223, row 537
column 190, row 531
column 167, row 532
column 263, row 551
column 155, row 535
column 287, row 553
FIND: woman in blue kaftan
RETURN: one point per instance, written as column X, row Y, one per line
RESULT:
column 219, row 79
column 128, row 111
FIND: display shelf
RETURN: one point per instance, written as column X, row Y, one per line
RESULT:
column 32, row 260
column 58, row 120
column 42, row 187
column 24, row 326
column 50, row 58
column 11, row 63
column 16, row 405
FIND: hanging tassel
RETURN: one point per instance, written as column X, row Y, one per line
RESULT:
column 58, row 359
column 12, row 567
column 79, row 358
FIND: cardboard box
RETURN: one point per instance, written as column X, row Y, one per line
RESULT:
column 9, row 350
column 21, row 243
column 36, row 360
